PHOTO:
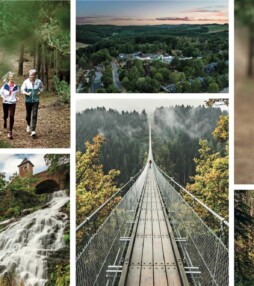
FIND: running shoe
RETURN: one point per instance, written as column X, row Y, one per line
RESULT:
column 10, row 135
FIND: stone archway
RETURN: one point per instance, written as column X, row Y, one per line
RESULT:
column 47, row 186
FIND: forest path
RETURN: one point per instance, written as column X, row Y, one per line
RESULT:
column 244, row 119
column 53, row 125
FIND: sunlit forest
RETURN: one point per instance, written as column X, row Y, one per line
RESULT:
column 36, row 34
column 244, row 86
column 244, row 242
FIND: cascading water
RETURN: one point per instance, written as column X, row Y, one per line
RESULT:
column 26, row 244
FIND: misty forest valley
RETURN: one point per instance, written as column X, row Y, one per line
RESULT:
column 189, row 143
column 150, row 59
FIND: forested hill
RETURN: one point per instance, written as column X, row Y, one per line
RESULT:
column 91, row 34
column 176, row 134
column 126, row 136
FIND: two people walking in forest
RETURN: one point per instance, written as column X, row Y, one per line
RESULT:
column 31, row 88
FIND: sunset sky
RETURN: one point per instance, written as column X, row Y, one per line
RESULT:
column 122, row 13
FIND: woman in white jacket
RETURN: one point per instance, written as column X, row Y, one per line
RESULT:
column 9, row 93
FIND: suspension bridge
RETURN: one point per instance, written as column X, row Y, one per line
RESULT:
column 152, row 236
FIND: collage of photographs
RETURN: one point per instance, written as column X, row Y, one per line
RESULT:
column 126, row 143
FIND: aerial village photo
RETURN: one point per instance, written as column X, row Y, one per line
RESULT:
column 152, row 47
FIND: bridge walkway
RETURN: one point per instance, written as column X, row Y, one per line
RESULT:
column 152, row 256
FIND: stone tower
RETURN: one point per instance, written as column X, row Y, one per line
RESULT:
column 25, row 168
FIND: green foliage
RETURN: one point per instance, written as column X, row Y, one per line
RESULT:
column 193, row 46
column 19, row 195
column 2, row 181
column 244, row 250
column 213, row 87
column 9, row 279
column 100, row 56
column 43, row 30
column 62, row 89
column 60, row 275
column 210, row 183
column 67, row 238
column 25, row 184
column 221, row 132
column 244, row 11
column 126, row 135
column 93, row 186
column 57, row 162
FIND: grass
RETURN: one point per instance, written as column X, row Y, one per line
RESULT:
column 217, row 28
column 81, row 45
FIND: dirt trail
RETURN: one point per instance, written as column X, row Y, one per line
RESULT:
column 53, row 126
column 244, row 115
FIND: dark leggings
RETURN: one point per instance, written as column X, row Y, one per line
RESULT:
column 9, row 109
column 32, row 109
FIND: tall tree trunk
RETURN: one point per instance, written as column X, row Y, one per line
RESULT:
column 251, row 52
column 38, row 60
column 56, row 71
column 44, row 75
column 21, row 60
column 34, row 57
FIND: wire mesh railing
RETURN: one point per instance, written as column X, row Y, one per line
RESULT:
column 99, row 259
column 204, row 253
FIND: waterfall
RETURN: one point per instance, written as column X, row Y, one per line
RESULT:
column 26, row 244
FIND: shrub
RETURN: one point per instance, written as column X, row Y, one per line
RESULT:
column 62, row 89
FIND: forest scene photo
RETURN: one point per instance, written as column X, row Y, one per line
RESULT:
column 152, row 47
column 244, row 241
column 39, row 43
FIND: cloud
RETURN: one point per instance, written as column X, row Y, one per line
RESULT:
column 212, row 20
column 10, row 163
column 183, row 19
column 204, row 11
column 88, row 19
column 190, row 19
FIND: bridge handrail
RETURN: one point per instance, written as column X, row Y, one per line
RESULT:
column 222, row 220
column 108, row 200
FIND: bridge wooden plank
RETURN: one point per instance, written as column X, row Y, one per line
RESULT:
column 136, row 258
column 158, row 258
column 146, row 276
column 143, row 214
column 168, row 251
column 161, row 214
column 148, row 213
column 134, row 276
column 160, row 276
column 141, row 227
column 173, row 276
column 163, row 228
column 156, row 224
column 147, row 258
